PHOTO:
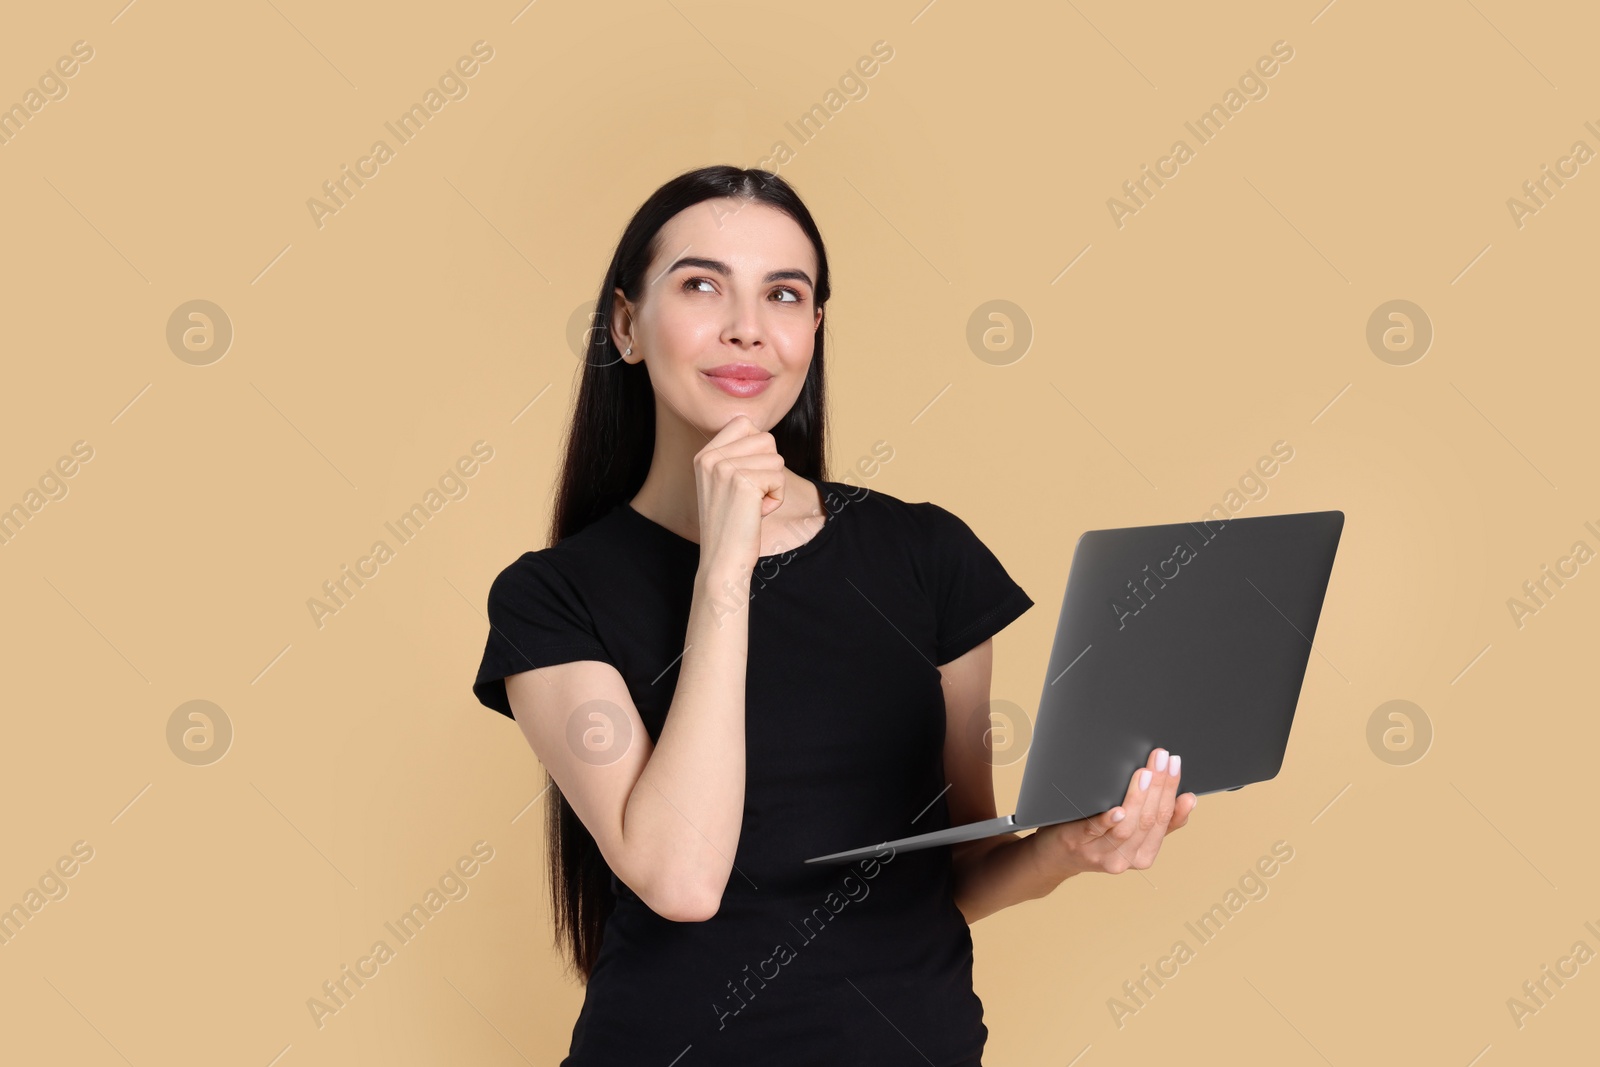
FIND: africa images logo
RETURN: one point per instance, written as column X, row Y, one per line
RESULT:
column 1252, row 488
column 852, row 889
column 1125, row 607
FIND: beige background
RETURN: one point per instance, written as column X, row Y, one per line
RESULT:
column 1229, row 313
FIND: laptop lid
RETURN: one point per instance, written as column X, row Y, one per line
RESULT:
column 1193, row 637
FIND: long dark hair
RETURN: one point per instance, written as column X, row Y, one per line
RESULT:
column 608, row 450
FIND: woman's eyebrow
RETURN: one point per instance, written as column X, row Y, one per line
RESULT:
column 723, row 269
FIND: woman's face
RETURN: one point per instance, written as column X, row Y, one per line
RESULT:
column 727, row 320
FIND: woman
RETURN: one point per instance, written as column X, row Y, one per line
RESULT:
column 728, row 663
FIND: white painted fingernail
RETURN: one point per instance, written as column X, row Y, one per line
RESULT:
column 1172, row 769
column 1144, row 778
column 1117, row 815
column 1161, row 759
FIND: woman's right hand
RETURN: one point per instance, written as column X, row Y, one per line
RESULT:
column 739, row 479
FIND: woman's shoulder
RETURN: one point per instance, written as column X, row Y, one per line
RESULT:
column 569, row 559
column 897, row 514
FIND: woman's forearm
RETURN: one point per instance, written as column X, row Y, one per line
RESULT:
column 998, row 872
column 687, row 809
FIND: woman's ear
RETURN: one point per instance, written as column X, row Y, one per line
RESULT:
column 621, row 327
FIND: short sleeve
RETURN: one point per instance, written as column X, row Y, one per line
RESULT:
column 536, row 619
column 974, row 596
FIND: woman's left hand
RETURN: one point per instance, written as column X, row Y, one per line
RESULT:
column 1128, row 835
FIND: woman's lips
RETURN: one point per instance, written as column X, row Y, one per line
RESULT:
column 742, row 387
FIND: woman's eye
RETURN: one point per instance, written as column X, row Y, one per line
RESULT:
column 691, row 285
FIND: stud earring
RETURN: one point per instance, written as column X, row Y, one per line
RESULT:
column 627, row 351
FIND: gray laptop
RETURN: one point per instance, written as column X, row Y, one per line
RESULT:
column 1192, row 636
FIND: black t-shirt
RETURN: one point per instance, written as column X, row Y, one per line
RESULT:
column 869, row 962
